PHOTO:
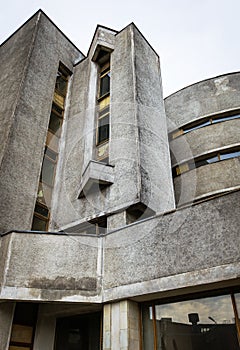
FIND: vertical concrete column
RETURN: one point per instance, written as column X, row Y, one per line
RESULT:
column 6, row 318
column 45, row 330
column 121, row 328
column 116, row 220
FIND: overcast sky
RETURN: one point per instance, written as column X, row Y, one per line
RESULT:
column 196, row 39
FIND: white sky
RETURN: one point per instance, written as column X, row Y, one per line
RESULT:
column 196, row 39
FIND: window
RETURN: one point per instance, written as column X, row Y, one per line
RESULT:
column 23, row 326
column 203, row 122
column 207, row 323
column 206, row 159
column 44, row 195
column 48, row 167
column 41, row 218
column 103, row 107
column 104, row 84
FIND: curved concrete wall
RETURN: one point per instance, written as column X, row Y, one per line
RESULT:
column 205, row 99
column 205, row 140
column 210, row 179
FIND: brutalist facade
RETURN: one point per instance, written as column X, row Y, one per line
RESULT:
column 119, row 209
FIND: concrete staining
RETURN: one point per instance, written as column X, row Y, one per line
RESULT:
column 177, row 244
column 123, row 232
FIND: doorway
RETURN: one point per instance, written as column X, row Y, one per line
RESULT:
column 82, row 332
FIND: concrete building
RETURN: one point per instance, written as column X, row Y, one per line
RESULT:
column 119, row 209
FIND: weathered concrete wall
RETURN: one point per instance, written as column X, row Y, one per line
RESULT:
column 24, row 147
column 156, row 176
column 194, row 246
column 206, row 98
column 138, row 151
column 187, row 248
column 51, row 267
column 210, row 179
column 67, row 207
column 14, row 56
column 203, row 98
column 206, row 139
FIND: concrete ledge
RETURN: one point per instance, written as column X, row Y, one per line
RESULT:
column 165, row 286
column 96, row 174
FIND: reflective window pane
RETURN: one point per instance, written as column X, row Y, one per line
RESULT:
column 39, row 224
column 104, row 84
column 55, row 124
column 47, row 174
column 201, row 324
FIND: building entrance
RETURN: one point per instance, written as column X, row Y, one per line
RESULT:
column 81, row 332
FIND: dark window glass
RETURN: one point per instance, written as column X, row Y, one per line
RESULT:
column 39, row 224
column 55, row 124
column 61, row 84
column 103, row 129
column 41, row 210
column 78, row 332
column 104, row 84
column 57, row 110
column 206, row 161
column 47, row 174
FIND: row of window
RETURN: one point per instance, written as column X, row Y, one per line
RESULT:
column 203, row 122
column 45, row 187
column 103, row 106
column 43, row 202
column 206, row 159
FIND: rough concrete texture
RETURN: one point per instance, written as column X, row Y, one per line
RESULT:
column 139, row 148
column 20, row 169
column 138, row 124
column 181, row 244
column 206, row 97
column 209, row 179
column 170, row 251
column 206, row 139
column 61, row 268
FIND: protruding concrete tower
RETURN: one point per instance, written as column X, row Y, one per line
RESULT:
column 117, row 161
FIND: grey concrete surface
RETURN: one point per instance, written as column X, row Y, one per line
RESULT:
column 46, row 46
column 206, row 139
column 206, row 97
column 215, row 178
column 179, row 246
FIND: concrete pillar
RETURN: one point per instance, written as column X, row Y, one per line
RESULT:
column 116, row 220
column 45, row 330
column 6, row 318
column 121, row 328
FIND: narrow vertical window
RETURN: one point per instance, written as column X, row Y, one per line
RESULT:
column 49, row 164
column 103, row 109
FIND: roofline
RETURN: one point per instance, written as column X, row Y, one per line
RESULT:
column 202, row 81
column 134, row 25
column 95, row 32
column 40, row 11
